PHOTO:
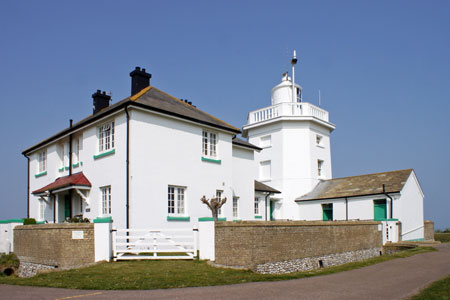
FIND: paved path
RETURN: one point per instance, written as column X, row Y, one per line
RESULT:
column 395, row 279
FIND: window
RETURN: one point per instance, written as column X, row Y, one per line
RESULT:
column 327, row 212
column 176, row 200
column 264, row 170
column 106, row 137
column 76, row 151
column 319, row 140
column 319, row 167
column 235, row 207
column 106, row 200
column 41, row 210
column 265, row 141
column 42, row 161
column 209, row 144
column 219, row 198
column 256, row 206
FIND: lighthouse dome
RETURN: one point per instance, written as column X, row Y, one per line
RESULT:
column 283, row 92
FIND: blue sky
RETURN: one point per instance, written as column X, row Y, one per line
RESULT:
column 383, row 68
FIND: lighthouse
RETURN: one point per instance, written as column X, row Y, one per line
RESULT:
column 295, row 139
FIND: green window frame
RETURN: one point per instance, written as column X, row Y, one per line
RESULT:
column 327, row 212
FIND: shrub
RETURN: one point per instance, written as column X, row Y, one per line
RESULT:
column 29, row 221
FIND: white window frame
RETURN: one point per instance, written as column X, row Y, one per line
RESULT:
column 320, row 168
column 106, row 133
column 42, row 161
column 265, row 141
column 176, row 200
column 76, row 151
column 235, row 207
column 256, row 207
column 219, row 194
column 105, row 193
column 210, row 144
column 41, row 210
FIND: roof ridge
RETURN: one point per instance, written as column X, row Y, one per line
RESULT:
column 411, row 169
column 136, row 96
column 191, row 106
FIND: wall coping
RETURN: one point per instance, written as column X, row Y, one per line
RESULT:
column 293, row 223
column 11, row 221
column 74, row 226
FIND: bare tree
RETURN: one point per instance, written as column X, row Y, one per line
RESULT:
column 214, row 205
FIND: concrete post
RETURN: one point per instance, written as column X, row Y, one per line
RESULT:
column 103, row 238
column 207, row 239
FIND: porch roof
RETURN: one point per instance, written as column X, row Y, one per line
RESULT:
column 77, row 179
column 261, row 187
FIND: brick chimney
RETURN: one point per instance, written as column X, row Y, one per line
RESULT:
column 101, row 101
column 140, row 79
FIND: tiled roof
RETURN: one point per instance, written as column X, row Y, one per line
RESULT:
column 240, row 142
column 370, row 184
column 77, row 179
column 153, row 99
column 261, row 187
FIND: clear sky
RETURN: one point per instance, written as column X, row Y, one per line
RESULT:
column 383, row 68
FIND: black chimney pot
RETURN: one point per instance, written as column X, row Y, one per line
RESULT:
column 101, row 101
column 140, row 79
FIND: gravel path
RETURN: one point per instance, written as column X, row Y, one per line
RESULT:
column 395, row 279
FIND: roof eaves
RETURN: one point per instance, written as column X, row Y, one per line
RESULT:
column 343, row 197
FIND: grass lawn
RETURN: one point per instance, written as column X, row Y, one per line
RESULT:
column 173, row 274
column 442, row 237
column 439, row 290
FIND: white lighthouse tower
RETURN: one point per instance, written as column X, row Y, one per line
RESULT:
column 295, row 137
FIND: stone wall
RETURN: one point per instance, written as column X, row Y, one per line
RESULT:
column 58, row 245
column 428, row 230
column 262, row 245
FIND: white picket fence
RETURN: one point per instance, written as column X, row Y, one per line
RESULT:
column 138, row 244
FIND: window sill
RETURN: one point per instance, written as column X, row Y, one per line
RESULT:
column 105, row 219
column 77, row 164
column 173, row 218
column 40, row 174
column 110, row 152
column 320, row 146
column 217, row 161
column 258, row 217
column 204, row 219
column 237, row 220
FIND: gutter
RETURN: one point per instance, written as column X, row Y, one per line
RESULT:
column 70, row 148
column 343, row 197
column 346, row 208
column 128, row 169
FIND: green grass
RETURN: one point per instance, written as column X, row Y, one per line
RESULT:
column 439, row 290
column 442, row 237
column 8, row 261
column 172, row 274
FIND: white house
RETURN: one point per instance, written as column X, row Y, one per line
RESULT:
column 145, row 161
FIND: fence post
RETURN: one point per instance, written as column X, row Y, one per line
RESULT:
column 103, row 238
column 195, row 229
column 206, row 239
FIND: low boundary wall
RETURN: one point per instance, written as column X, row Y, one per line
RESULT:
column 55, row 245
column 289, row 246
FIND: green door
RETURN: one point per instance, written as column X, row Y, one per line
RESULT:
column 379, row 210
column 327, row 212
column 272, row 209
column 67, row 207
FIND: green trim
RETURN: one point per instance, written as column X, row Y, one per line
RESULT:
column 81, row 163
column 217, row 161
column 237, row 220
column 105, row 154
column 66, row 168
column 171, row 218
column 76, row 165
column 11, row 221
column 414, row 240
column 40, row 174
column 61, row 169
column 40, row 222
column 258, row 217
column 385, row 219
column 204, row 219
column 103, row 220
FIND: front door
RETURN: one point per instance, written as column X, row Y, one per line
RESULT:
column 67, row 207
column 272, row 210
column 379, row 210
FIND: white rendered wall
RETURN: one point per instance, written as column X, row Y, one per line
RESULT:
column 312, row 210
column 293, row 154
column 165, row 151
column 245, row 171
column 410, row 211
